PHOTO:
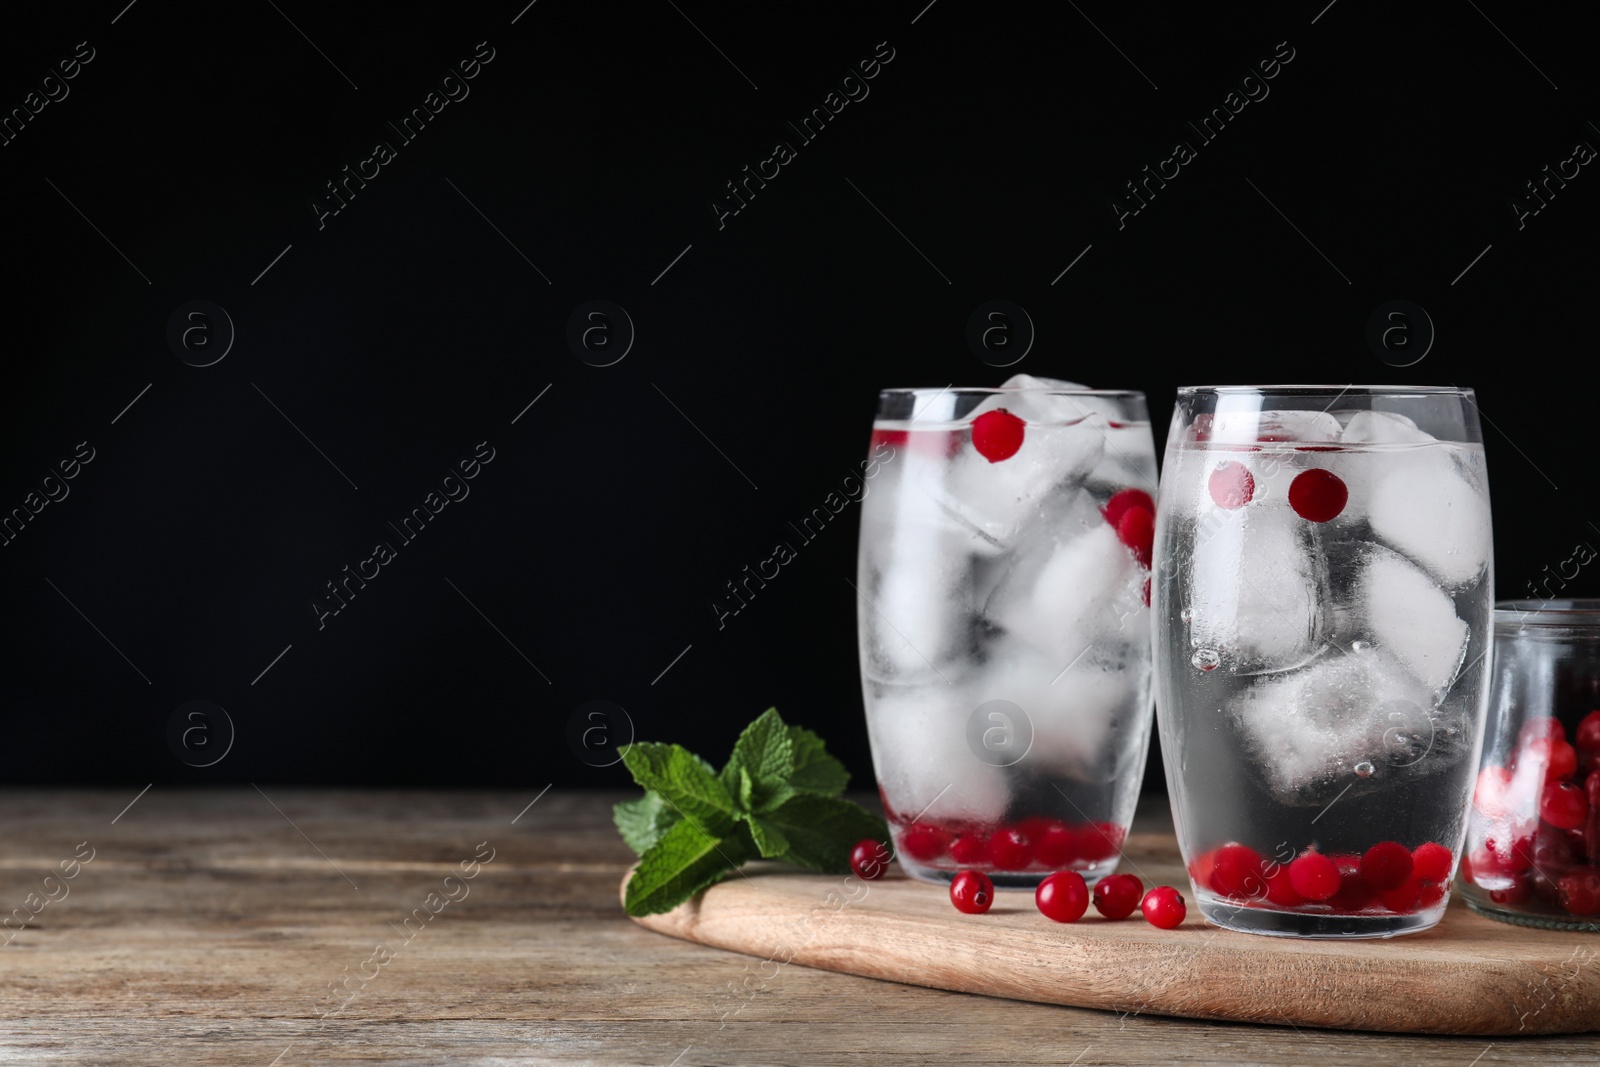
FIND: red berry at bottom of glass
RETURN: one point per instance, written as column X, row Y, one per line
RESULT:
column 1580, row 891
column 869, row 859
column 969, row 848
column 1386, row 865
column 922, row 843
column 1563, row 805
column 1314, row 876
column 971, row 892
column 1431, row 862
column 1117, row 896
column 1163, row 907
column 1063, row 896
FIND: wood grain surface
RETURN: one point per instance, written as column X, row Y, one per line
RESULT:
column 1468, row 975
column 209, row 926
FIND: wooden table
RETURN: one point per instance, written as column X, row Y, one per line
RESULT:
column 212, row 927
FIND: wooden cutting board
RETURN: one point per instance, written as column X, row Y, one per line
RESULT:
column 1468, row 975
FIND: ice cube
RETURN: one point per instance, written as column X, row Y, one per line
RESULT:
column 994, row 500
column 1248, row 426
column 1430, row 502
column 1059, row 598
column 1256, row 593
column 1381, row 428
column 922, row 758
column 914, row 579
column 1070, row 706
column 1325, row 723
column 1410, row 616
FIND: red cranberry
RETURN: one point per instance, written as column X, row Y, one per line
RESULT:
column 1137, row 530
column 1354, row 893
column 1010, row 848
column 1317, row 495
column 1231, row 485
column 1280, row 889
column 1238, row 872
column 1314, row 876
column 1563, row 805
column 1506, row 854
column 1591, row 830
column 1163, row 907
column 1402, row 899
column 1117, row 896
column 1538, row 727
column 969, row 849
column 1386, row 865
column 1514, row 894
column 922, row 842
column 1432, row 894
column 997, row 434
column 869, row 859
column 1055, row 844
column 1580, row 891
column 1063, row 896
column 971, row 892
column 1125, row 500
column 1587, row 735
column 1431, row 862
column 1100, row 841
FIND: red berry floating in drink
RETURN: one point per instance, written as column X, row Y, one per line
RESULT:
column 997, row 434
column 1163, row 907
column 1137, row 530
column 1317, row 495
column 971, row 892
column 869, row 859
column 1231, row 485
column 1063, row 896
column 1124, row 500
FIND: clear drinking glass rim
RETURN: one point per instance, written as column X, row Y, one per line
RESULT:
column 1001, row 391
column 1562, row 611
column 1320, row 390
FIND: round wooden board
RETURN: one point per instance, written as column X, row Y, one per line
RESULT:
column 1468, row 975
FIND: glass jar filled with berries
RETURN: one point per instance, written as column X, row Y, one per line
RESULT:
column 1533, row 834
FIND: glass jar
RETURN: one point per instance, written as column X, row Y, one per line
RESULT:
column 1533, row 839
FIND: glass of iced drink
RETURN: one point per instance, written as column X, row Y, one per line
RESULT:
column 1322, row 598
column 1003, row 607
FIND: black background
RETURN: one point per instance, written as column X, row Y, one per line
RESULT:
column 414, row 325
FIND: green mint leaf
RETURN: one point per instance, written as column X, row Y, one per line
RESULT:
column 643, row 821
column 822, row 830
column 768, row 838
column 685, row 782
column 763, row 751
column 771, row 800
column 747, row 790
column 685, row 861
column 814, row 770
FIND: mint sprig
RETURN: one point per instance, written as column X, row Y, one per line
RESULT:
column 776, row 798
